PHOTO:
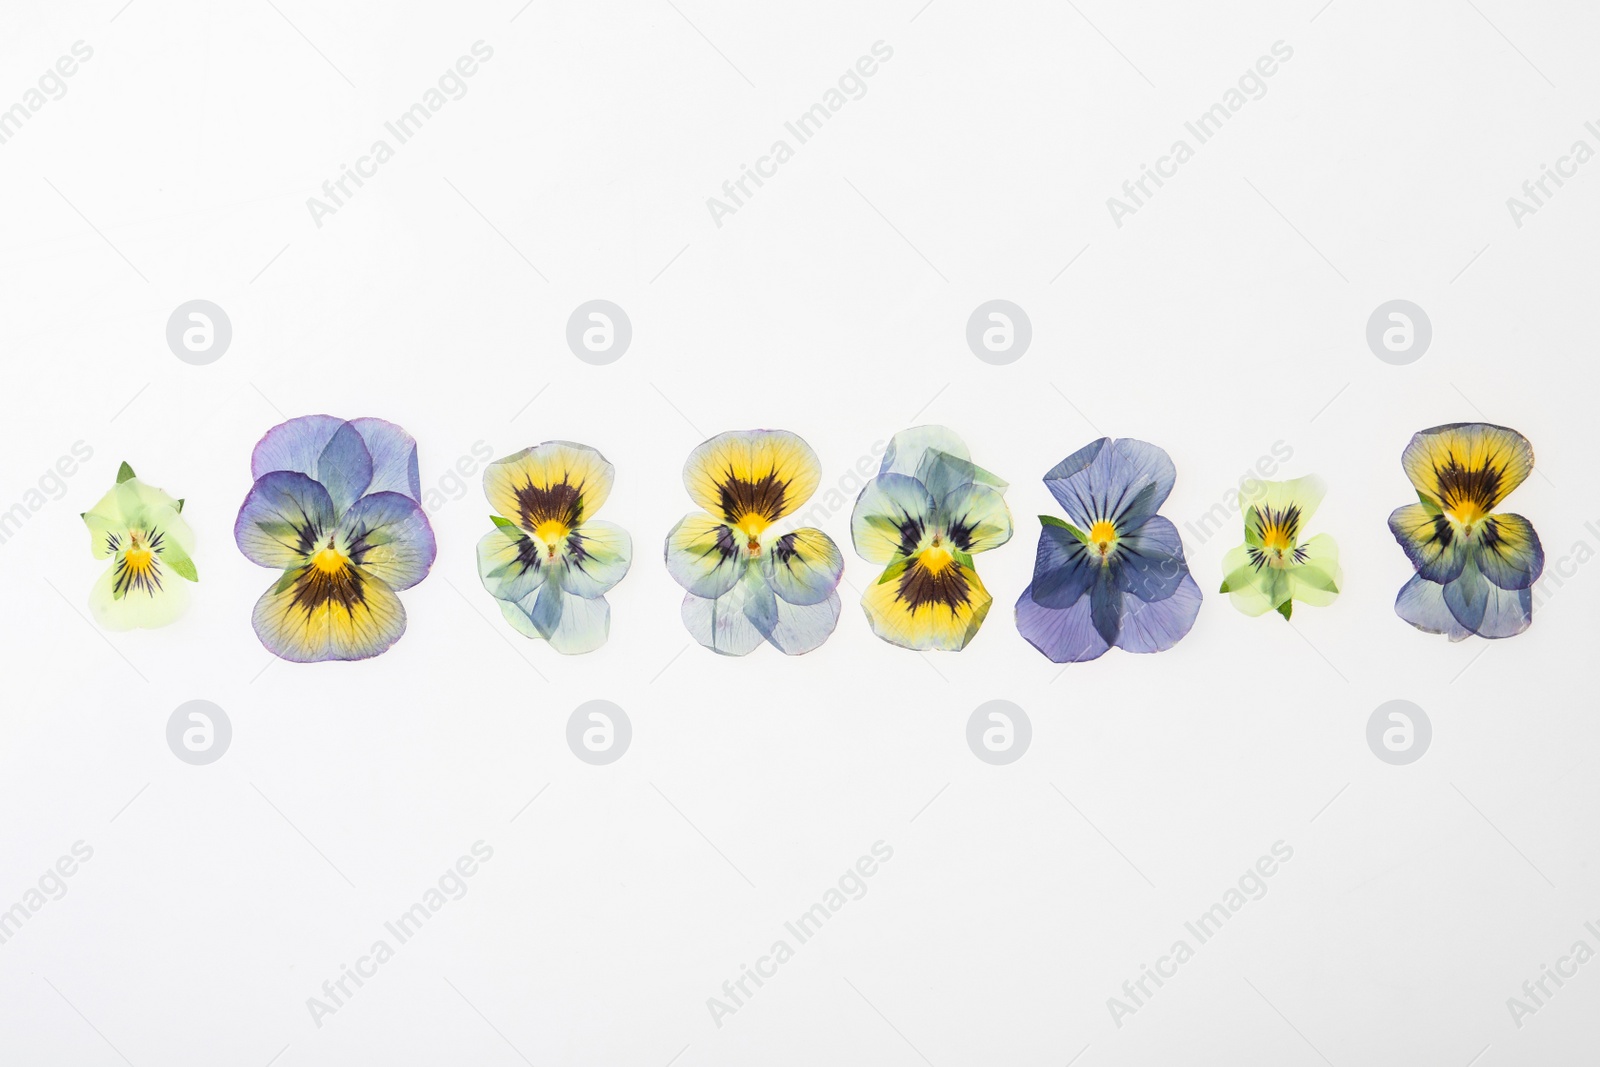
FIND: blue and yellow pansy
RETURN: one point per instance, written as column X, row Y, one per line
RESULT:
column 745, row 583
column 1475, row 568
column 336, row 508
column 548, row 561
column 923, row 517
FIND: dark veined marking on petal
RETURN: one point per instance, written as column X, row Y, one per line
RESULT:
column 921, row 587
column 139, row 568
column 764, row 498
column 358, row 545
column 113, row 542
column 787, row 549
column 1497, row 542
column 578, row 554
column 315, row 588
column 1258, row 558
column 1477, row 487
column 528, row 554
column 306, row 532
column 1441, row 534
column 561, row 502
column 960, row 532
column 1285, row 523
column 724, row 545
column 911, row 531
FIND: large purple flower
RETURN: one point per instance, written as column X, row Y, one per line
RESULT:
column 1118, row 576
column 336, row 506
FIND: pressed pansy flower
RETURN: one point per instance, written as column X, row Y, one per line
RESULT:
column 924, row 516
column 336, row 507
column 139, row 528
column 548, row 562
column 745, row 583
column 1475, row 568
column 1278, row 564
column 1118, row 576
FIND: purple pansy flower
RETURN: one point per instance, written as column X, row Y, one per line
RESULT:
column 1118, row 576
column 336, row 507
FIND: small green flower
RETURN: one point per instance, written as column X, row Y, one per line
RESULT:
column 1275, row 566
column 139, row 527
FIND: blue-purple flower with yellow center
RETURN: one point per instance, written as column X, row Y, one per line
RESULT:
column 1118, row 576
column 336, row 506
column 745, row 582
column 1475, row 568
column 548, row 561
column 138, row 527
column 924, row 516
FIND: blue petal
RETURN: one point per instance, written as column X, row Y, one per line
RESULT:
column 720, row 623
column 1064, row 635
column 294, row 445
column 1157, row 625
column 344, row 468
column 1063, row 569
column 1509, row 552
column 1486, row 609
column 283, row 519
column 1421, row 603
column 394, row 457
column 1105, row 605
column 1150, row 562
column 1123, row 481
column 799, row 628
column 388, row 534
column 1430, row 542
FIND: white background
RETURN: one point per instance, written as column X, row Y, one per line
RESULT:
column 1226, row 315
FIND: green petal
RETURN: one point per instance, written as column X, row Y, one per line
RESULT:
column 139, row 610
column 1316, row 580
column 1250, row 589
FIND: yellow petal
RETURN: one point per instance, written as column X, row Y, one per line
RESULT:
column 752, row 478
column 930, row 605
column 554, row 484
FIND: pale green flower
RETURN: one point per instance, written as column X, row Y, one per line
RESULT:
column 1277, row 564
column 139, row 527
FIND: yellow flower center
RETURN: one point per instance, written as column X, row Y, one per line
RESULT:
column 553, row 532
column 936, row 558
column 329, row 560
column 138, row 558
column 752, row 526
column 1276, row 539
column 1102, row 535
column 1467, row 513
